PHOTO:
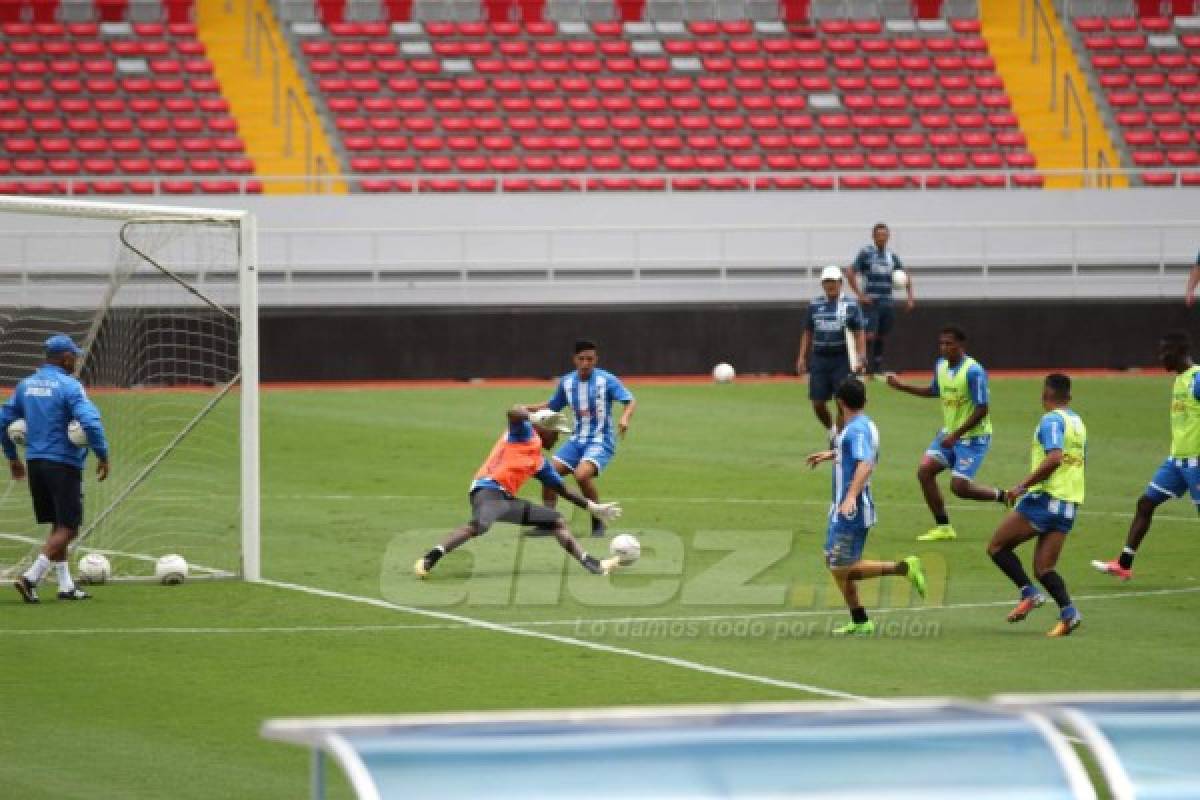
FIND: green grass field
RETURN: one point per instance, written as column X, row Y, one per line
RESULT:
column 149, row 692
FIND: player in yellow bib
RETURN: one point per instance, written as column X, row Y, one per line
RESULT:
column 1050, row 498
column 960, row 382
column 1180, row 473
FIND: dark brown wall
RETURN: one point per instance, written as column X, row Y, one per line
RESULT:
column 396, row 343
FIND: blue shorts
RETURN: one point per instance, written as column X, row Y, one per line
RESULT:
column 825, row 374
column 1047, row 514
column 1176, row 477
column 879, row 316
column 573, row 452
column 844, row 540
column 965, row 458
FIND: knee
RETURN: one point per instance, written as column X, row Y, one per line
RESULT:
column 925, row 473
column 959, row 486
column 1146, row 506
column 475, row 529
column 583, row 476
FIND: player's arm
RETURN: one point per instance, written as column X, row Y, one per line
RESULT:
column 1050, row 435
column 860, row 340
column 550, row 478
column 911, row 303
column 908, row 388
column 805, row 341
column 852, row 279
column 862, row 472
column 820, row 457
column 83, row 410
column 627, row 415
column 11, row 411
column 1189, row 295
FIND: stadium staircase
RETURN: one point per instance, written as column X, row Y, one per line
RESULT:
column 1030, row 85
column 264, row 97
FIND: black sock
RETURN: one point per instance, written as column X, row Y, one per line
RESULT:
column 1055, row 586
column 435, row 555
column 1126, row 558
column 1010, row 565
column 597, row 524
column 1000, row 495
column 942, row 518
column 591, row 563
column 858, row 614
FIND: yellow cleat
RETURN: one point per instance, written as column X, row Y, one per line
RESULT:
column 939, row 533
column 609, row 565
column 1065, row 627
column 419, row 568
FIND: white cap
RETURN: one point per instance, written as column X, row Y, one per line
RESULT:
column 831, row 273
column 550, row 420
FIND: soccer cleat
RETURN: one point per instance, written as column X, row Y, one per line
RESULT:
column 26, row 589
column 1113, row 568
column 855, row 629
column 916, row 575
column 74, row 594
column 1025, row 607
column 939, row 533
column 609, row 565
column 1065, row 627
column 599, row 529
column 421, row 568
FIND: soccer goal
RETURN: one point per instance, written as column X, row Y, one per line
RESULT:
column 163, row 300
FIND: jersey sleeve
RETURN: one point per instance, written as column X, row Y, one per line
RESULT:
column 896, row 263
column 854, row 317
column 1050, row 432
column 548, row 476
column 12, row 410
column 862, row 262
column 977, row 385
column 860, row 447
column 558, row 400
column 933, row 383
column 1196, row 386
column 88, row 416
column 618, row 392
column 520, row 431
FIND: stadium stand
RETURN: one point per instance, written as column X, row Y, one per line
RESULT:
column 112, row 105
column 1145, row 62
column 648, row 105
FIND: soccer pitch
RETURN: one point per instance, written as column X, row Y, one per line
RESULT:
column 147, row 691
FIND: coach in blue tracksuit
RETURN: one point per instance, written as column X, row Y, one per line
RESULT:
column 832, row 319
column 48, row 400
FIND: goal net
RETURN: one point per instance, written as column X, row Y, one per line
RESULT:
column 163, row 303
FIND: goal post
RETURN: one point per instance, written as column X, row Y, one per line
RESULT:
column 164, row 299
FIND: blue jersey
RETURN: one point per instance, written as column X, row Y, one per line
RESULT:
column 48, row 400
column 876, row 266
column 828, row 321
column 521, row 431
column 858, row 442
column 591, row 400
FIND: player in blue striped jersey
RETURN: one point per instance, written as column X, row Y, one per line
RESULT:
column 852, row 512
column 875, row 263
column 590, row 392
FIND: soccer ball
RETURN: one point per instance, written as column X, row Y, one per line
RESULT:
column 723, row 373
column 16, row 432
column 171, row 569
column 76, row 434
column 626, row 548
column 899, row 278
column 94, row 568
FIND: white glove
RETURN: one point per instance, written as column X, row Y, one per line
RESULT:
column 605, row 512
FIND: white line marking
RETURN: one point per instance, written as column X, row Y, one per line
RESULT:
column 695, row 666
column 756, row 501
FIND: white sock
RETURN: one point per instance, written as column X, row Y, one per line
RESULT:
column 833, row 433
column 63, row 570
column 41, row 566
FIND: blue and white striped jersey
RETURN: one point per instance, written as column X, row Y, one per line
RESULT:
column 876, row 266
column 591, row 400
column 857, row 442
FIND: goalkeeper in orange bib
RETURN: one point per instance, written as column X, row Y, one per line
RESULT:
column 516, row 458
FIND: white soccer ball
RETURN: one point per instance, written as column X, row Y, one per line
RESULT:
column 723, row 373
column 76, row 434
column 94, row 568
column 899, row 278
column 171, row 569
column 626, row 548
column 16, row 432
